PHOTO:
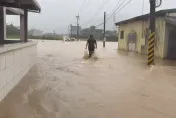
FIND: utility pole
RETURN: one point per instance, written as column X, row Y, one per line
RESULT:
column 70, row 31
column 151, row 41
column 104, row 35
column 114, row 22
column 77, row 17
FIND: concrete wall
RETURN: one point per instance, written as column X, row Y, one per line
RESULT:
column 15, row 61
column 140, row 28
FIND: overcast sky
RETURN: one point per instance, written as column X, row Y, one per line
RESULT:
column 58, row 14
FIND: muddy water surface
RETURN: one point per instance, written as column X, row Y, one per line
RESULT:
column 117, row 85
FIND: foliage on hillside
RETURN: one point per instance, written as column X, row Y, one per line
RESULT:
column 12, row 31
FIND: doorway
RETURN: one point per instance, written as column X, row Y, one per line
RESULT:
column 132, row 41
column 171, row 54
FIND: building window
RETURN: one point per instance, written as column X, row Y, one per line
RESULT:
column 122, row 35
column 132, row 37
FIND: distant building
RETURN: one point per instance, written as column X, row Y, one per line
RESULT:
column 97, row 33
column 73, row 30
column 134, row 34
column 35, row 32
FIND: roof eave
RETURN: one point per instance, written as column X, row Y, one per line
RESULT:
column 14, row 11
column 37, row 5
column 160, row 13
column 33, row 6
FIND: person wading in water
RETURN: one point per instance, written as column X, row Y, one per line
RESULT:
column 91, row 44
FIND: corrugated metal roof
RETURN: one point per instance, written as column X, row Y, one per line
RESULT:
column 14, row 11
column 146, row 16
column 31, row 5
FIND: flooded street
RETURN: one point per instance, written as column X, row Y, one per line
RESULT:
column 117, row 85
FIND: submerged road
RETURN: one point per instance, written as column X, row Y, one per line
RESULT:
column 117, row 85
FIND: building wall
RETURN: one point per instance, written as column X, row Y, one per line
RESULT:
column 168, row 28
column 73, row 30
column 15, row 61
column 141, row 44
column 171, row 14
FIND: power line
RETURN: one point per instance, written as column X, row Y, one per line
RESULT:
column 99, row 24
column 116, row 6
column 113, row 12
column 82, row 6
column 87, row 4
column 119, row 9
column 116, row 11
column 96, row 13
column 99, row 9
column 83, row 3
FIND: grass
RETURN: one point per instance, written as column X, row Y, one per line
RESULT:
column 45, row 38
column 13, row 37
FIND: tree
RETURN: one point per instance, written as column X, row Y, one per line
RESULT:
column 12, row 30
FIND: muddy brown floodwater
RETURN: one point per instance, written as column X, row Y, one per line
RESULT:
column 117, row 85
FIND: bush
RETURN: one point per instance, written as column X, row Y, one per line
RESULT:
column 45, row 37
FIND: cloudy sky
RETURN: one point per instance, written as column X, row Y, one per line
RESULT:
column 58, row 14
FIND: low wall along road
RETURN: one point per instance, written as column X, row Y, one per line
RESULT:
column 15, row 61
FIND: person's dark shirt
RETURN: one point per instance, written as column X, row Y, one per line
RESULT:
column 91, row 43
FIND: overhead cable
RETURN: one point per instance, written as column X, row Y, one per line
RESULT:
column 82, row 6
column 116, row 11
column 98, row 11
